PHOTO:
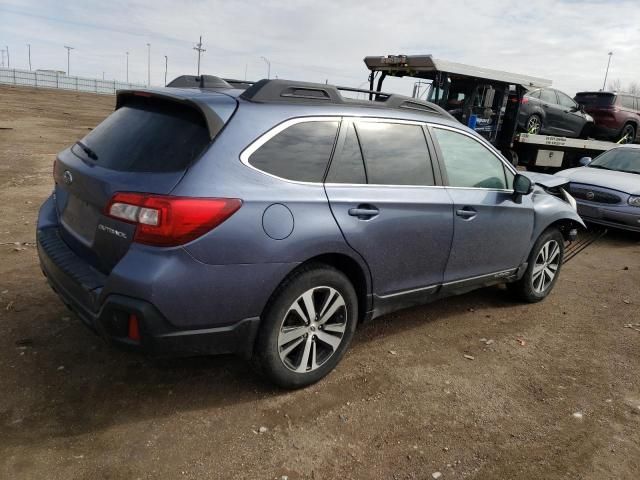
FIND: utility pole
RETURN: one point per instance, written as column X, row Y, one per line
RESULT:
column 68, row 56
column 199, row 48
column 8, row 62
column 268, row 67
column 148, row 65
column 127, row 67
column 29, row 47
column 604, row 85
column 246, row 66
column 166, row 66
column 2, row 52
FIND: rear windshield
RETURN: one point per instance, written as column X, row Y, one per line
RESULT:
column 595, row 99
column 147, row 136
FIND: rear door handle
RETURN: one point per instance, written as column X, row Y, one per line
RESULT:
column 466, row 212
column 364, row 212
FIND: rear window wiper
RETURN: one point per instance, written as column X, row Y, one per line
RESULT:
column 599, row 166
column 90, row 153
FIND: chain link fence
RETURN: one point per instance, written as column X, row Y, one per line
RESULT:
column 52, row 79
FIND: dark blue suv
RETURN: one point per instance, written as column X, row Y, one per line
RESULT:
column 270, row 221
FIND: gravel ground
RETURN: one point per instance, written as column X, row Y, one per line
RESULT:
column 552, row 392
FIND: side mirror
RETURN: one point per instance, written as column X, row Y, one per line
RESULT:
column 522, row 185
column 584, row 161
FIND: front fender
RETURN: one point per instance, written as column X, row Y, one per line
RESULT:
column 550, row 209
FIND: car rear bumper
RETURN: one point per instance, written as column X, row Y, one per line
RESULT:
column 622, row 217
column 79, row 289
column 86, row 292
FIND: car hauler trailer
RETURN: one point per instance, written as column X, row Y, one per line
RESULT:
column 487, row 101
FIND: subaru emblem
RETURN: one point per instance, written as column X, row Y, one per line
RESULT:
column 68, row 178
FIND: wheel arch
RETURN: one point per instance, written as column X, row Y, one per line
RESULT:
column 565, row 225
column 355, row 270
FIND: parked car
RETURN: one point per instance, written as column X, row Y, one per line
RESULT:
column 270, row 222
column 552, row 112
column 607, row 189
column 616, row 115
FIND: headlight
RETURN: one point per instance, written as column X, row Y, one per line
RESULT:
column 634, row 201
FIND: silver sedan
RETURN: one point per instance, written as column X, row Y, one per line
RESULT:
column 607, row 189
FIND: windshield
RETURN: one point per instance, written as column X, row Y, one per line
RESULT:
column 620, row 159
column 595, row 99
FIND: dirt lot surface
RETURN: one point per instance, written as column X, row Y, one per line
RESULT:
column 555, row 395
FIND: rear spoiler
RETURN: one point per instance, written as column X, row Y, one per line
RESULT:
column 214, row 122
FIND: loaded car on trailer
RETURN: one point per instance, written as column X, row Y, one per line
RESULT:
column 490, row 102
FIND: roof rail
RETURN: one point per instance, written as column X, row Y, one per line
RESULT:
column 202, row 81
column 288, row 91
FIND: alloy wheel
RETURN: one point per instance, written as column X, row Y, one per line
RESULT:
column 312, row 329
column 533, row 125
column 628, row 132
column 546, row 266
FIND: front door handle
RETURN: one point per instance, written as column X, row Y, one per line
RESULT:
column 364, row 212
column 467, row 213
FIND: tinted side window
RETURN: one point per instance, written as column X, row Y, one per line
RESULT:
column 469, row 164
column 301, row 152
column 395, row 154
column 627, row 102
column 347, row 165
column 548, row 96
column 565, row 100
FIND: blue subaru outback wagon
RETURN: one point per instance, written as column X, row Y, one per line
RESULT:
column 269, row 221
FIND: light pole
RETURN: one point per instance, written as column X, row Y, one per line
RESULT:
column 199, row 48
column 148, row 65
column 606, row 74
column 127, row 67
column 68, row 57
column 268, row 67
column 166, row 66
column 29, row 47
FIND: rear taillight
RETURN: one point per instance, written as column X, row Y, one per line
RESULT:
column 524, row 100
column 164, row 220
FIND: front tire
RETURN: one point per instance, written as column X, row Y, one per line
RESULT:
column 543, row 269
column 307, row 327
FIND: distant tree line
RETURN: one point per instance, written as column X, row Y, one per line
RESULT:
column 616, row 86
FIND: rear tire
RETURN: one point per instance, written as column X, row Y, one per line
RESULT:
column 533, row 125
column 628, row 132
column 543, row 269
column 307, row 326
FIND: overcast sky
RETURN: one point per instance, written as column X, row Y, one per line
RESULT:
column 566, row 41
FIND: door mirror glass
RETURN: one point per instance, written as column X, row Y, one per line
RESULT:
column 584, row 161
column 522, row 185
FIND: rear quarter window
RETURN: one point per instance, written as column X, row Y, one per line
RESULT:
column 148, row 136
column 301, row 152
column 627, row 101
